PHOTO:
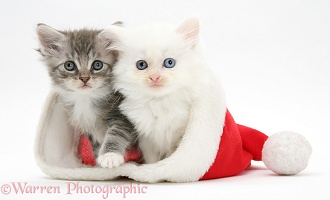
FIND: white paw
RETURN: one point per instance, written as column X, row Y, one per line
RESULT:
column 110, row 160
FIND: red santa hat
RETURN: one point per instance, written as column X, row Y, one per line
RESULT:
column 285, row 153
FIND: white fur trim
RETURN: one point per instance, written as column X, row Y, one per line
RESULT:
column 286, row 153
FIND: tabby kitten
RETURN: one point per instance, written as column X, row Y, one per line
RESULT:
column 79, row 66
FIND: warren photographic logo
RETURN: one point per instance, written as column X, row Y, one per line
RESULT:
column 73, row 188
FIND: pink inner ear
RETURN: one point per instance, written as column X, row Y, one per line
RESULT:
column 189, row 29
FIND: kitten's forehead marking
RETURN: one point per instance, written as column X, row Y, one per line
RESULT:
column 83, row 41
column 83, row 46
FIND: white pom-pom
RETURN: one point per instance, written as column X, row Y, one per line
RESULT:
column 286, row 153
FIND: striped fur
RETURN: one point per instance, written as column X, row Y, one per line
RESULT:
column 120, row 133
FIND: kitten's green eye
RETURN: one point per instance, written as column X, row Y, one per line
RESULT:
column 69, row 65
column 169, row 63
column 141, row 65
column 97, row 65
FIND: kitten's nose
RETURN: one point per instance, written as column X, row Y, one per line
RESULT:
column 154, row 78
column 84, row 79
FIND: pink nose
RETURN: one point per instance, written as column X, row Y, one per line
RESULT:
column 84, row 79
column 154, row 78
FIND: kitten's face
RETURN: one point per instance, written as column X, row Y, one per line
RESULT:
column 156, row 60
column 77, row 60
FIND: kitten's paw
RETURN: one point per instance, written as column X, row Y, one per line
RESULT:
column 110, row 160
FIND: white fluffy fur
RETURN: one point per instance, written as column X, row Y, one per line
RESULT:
column 159, row 127
column 84, row 117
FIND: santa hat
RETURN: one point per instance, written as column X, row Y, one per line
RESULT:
column 285, row 153
column 61, row 154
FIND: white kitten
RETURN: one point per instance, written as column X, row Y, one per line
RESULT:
column 161, row 71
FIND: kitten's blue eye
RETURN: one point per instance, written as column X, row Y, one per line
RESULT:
column 141, row 64
column 69, row 66
column 169, row 62
column 97, row 65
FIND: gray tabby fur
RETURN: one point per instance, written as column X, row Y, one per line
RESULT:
column 92, row 105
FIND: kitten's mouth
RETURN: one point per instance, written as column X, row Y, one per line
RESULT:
column 85, row 86
column 156, row 85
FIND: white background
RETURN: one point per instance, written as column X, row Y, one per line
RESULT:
column 273, row 58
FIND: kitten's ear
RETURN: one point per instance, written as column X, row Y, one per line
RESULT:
column 190, row 30
column 51, row 40
column 118, row 23
column 112, row 37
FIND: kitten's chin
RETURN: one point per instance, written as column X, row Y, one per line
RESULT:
column 158, row 90
column 85, row 89
column 156, row 86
